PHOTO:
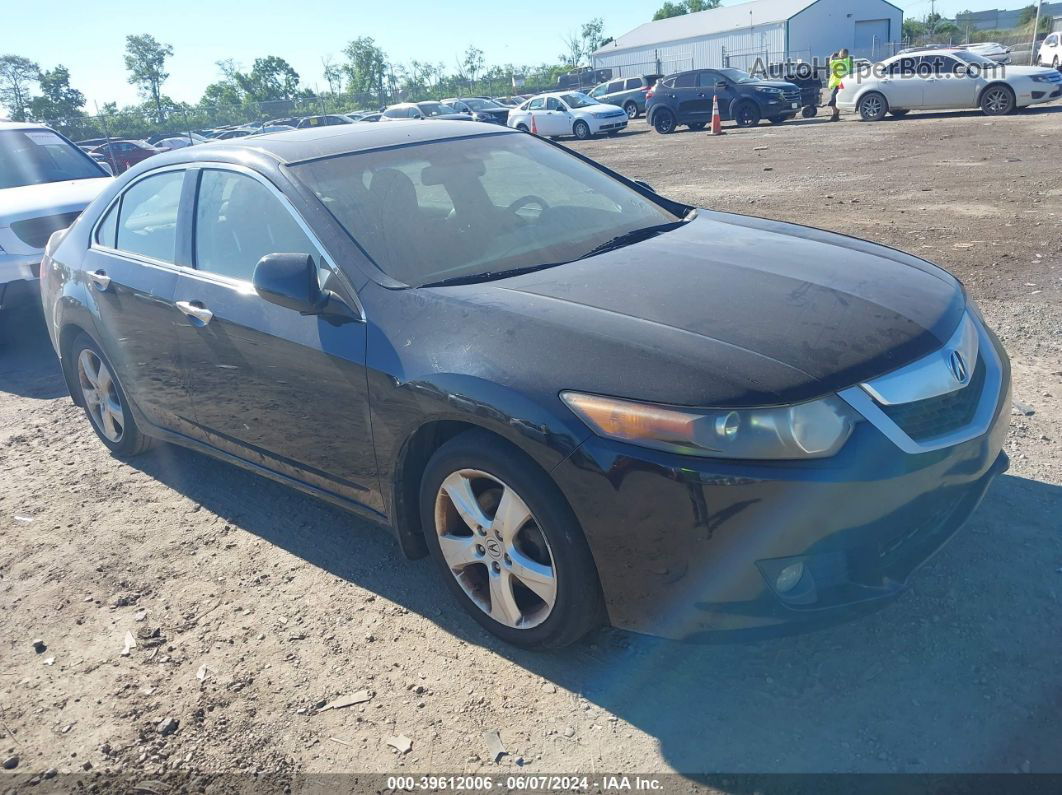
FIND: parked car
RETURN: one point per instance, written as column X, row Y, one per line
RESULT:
column 123, row 154
column 325, row 120
column 1050, row 52
column 567, row 113
column 627, row 93
column 179, row 141
column 370, row 117
column 480, row 109
column 228, row 135
column 990, row 50
column 702, row 449
column 944, row 80
column 423, row 110
column 45, row 183
column 509, row 102
column 686, row 98
column 274, row 128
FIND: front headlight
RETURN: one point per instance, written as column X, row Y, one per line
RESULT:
column 1043, row 78
column 775, row 91
column 816, row 429
column 607, row 114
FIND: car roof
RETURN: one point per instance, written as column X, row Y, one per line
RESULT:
column 313, row 143
column 23, row 125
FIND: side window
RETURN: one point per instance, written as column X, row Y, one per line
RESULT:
column 238, row 221
column 148, row 221
column 634, row 82
column 708, row 79
column 552, row 103
column 947, row 64
column 614, row 87
column 685, row 80
column 537, row 103
column 107, row 231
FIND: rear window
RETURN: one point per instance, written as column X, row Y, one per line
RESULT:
column 685, row 80
column 634, row 82
column 34, row 157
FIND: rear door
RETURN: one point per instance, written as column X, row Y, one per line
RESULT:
column 709, row 85
column 131, row 269
column 274, row 387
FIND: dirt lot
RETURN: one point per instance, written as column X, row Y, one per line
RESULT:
column 289, row 603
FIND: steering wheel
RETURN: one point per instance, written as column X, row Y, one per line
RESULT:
column 523, row 201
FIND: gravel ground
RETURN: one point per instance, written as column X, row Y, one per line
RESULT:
column 250, row 605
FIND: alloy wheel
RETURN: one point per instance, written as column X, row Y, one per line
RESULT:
column 872, row 107
column 494, row 548
column 632, row 110
column 101, row 395
column 997, row 101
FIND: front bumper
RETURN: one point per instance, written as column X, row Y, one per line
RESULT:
column 686, row 546
column 610, row 124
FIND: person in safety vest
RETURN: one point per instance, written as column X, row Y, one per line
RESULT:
column 840, row 66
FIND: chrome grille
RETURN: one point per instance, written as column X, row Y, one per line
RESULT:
column 936, row 416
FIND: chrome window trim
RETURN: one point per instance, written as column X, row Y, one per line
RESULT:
column 860, row 399
column 241, row 285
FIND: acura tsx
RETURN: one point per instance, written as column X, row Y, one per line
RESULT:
column 587, row 402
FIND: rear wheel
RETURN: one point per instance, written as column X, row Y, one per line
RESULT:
column 809, row 111
column 664, row 122
column 873, row 106
column 507, row 543
column 631, row 108
column 104, row 400
column 997, row 100
column 522, row 127
column 581, row 130
column 746, row 115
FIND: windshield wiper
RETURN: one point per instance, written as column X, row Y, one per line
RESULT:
column 634, row 236
column 489, row 276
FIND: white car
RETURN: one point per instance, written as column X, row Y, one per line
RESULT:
column 45, row 183
column 567, row 113
column 1050, row 53
column 945, row 79
column 990, row 50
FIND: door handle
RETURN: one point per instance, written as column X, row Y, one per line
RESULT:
column 196, row 311
column 101, row 280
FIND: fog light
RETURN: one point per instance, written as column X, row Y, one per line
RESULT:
column 789, row 577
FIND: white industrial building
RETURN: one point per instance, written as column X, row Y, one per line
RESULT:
column 764, row 30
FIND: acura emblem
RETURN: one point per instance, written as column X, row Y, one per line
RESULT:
column 957, row 364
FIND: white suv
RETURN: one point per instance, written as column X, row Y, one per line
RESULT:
column 1051, row 50
column 45, row 183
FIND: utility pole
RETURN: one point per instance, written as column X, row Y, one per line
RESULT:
column 1036, row 29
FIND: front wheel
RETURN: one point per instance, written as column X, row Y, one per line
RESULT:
column 809, row 111
column 581, row 130
column 104, row 400
column 997, row 101
column 746, row 115
column 664, row 122
column 508, row 544
column 631, row 109
column 873, row 106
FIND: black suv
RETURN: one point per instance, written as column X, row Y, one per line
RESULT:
column 686, row 98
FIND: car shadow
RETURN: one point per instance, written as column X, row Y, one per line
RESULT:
column 960, row 674
column 28, row 365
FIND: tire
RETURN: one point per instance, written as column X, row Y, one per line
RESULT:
column 547, row 538
column 873, row 106
column 581, row 130
column 899, row 114
column 664, row 122
column 778, row 119
column 631, row 109
column 108, row 413
column 809, row 112
column 997, row 100
column 697, row 125
column 523, row 127
column 746, row 114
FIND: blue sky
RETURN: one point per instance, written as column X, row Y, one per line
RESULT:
column 89, row 39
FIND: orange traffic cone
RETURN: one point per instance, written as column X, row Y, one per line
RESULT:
column 534, row 126
column 717, row 122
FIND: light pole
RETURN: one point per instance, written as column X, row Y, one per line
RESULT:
column 1036, row 29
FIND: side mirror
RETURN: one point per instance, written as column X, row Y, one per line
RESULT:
column 288, row 280
column 720, row 86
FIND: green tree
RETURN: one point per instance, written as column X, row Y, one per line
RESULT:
column 592, row 36
column 669, row 9
column 366, row 69
column 145, row 58
column 59, row 105
column 17, row 75
column 333, row 75
column 472, row 64
column 270, row 78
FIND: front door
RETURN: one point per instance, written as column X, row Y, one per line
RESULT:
column 555, row 119
column 902, row 85
column 283, row 390
column 130, row 267
column 948, row 83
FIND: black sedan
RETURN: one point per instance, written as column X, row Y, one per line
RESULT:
column 586, row 401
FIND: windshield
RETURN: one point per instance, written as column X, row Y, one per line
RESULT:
column 34, row 157
column 475, row 206
column 737, row 75
column 434, row 108
column 578, row 100
column 481, row 104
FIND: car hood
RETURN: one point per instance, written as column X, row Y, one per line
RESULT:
column 782, row 84
column 727, row 311
column 602, row 107
column 49, row 198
